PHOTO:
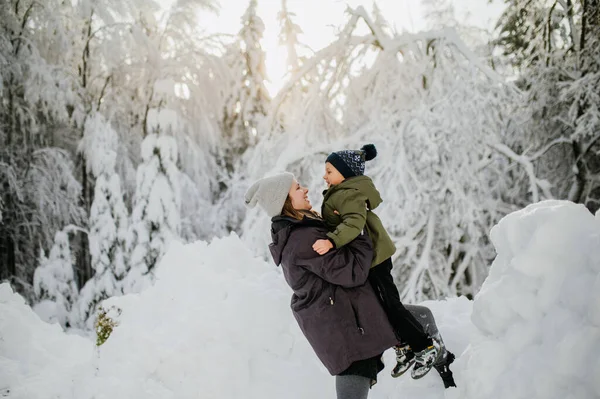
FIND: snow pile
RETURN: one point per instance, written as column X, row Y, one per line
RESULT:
column 37, row 359
column 538, row 313
column 216, row 324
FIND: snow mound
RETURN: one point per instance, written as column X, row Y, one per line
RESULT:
column 36, row 358
column 216, row 324
column 538, row 312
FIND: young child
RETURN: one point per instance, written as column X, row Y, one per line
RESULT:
column 348, row 211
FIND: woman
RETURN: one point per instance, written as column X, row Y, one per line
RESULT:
column 337, row 312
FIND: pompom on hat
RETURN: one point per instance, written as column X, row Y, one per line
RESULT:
column 352, row 162
column 270, row 193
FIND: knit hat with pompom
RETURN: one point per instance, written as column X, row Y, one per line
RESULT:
column 352, row 162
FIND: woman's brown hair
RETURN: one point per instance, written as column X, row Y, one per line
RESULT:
column 290, row 211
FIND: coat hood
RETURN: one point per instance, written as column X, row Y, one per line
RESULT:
column 281, row 227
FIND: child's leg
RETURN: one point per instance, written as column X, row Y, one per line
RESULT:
column 405, row 325
column 425, row 317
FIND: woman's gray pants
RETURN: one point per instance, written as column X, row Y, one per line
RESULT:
column 352, row 386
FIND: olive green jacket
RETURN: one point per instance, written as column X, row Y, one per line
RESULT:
column 354, row 199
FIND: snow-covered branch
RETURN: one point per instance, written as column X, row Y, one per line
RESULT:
column 527, row 164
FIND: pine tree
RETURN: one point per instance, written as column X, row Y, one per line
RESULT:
column 155, row 219
column 249, row 100
column 53, row 280
column 290, row 110
column 108, row 220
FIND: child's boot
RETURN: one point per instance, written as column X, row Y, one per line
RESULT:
column 425, row 360
column 405, row 358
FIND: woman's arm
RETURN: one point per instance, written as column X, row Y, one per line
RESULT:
column 347, row 266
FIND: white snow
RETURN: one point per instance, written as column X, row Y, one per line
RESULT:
column 217, row 324
column 107, row 223
column 155, row 219
column 54, row 282
column 37, row 359
column 538, row 312
column 164, row 119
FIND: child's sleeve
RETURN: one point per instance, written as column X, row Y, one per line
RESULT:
column 352, row 207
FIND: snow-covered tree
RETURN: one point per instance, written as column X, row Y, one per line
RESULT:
column 288, row 36
column 39, row 190
column 54, row 283
column 175, row 76
column 62, row 63
column 290, row 110
column 248, row 100
column 553, row 47
column 108, row 220
column 156, row 212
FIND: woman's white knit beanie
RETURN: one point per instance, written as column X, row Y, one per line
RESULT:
column 270, row 193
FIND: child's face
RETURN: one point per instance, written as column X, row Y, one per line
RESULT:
column 332, row 175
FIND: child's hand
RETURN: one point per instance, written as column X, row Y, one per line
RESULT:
column 322, row 246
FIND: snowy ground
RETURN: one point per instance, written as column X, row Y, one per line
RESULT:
column 217, row 325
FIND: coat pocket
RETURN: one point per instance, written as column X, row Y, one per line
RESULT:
column 356, row 320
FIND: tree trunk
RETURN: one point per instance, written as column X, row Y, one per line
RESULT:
column 576, row 192
column 588, row 49
column 8, row 267
column 82, row 253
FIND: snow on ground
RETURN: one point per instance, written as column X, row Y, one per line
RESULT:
column 217, row 324
column 37, row 359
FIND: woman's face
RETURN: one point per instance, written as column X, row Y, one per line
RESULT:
column 299, row 197
column 332, row 175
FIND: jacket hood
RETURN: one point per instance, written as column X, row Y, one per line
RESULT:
column 281, row 228
column 364, row 184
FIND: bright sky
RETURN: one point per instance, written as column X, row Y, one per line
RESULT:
column 320, row 20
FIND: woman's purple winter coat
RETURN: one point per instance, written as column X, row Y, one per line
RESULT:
column 335, row 306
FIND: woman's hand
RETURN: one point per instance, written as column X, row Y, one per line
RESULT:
column 322, row 246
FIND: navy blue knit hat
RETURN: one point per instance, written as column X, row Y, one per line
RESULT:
column 352, row 162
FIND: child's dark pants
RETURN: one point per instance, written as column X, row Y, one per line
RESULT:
column 407, row 328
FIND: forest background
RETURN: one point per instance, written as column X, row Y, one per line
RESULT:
column 125, row 125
